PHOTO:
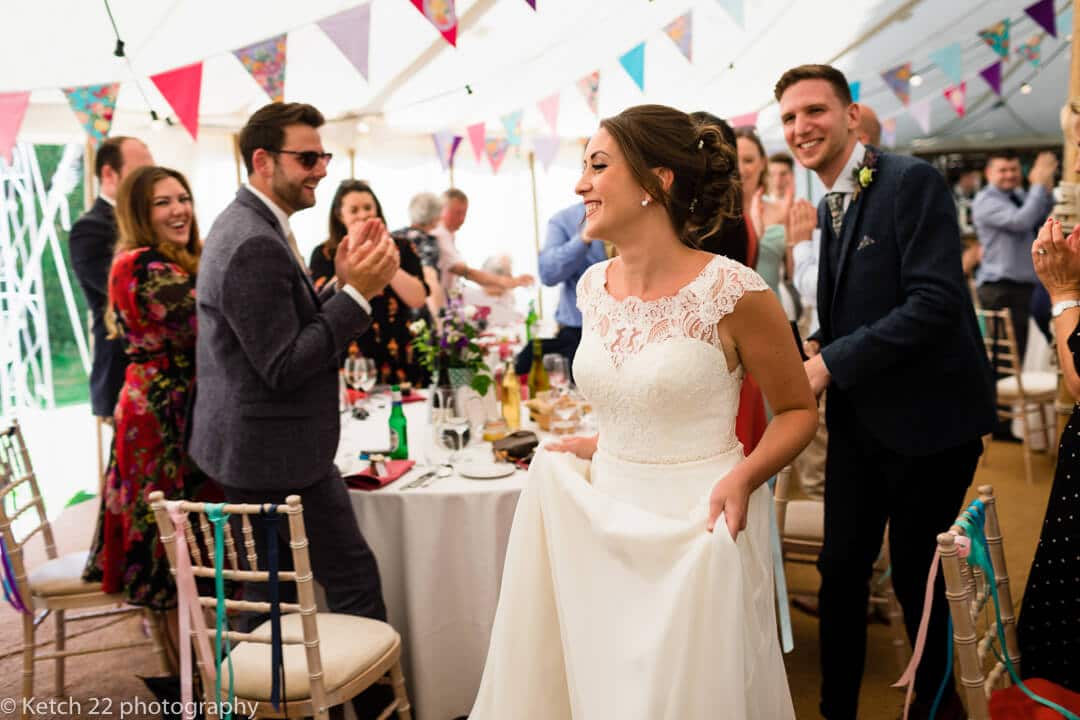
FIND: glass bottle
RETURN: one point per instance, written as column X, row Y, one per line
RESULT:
column 511, row 403
column 399, row 428
column 538, row 377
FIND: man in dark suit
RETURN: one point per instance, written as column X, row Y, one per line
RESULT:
column 909, row 384
column 91, row 243
column 266, row 421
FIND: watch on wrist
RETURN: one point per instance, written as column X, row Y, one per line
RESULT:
column 1060, row 307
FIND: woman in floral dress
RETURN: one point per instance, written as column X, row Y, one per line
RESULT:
column 151, row 306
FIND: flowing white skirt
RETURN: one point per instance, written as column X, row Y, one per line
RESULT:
column 617, row 603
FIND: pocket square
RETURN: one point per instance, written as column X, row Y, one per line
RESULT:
column 865, row 242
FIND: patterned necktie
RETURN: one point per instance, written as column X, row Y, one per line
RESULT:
column 291, row 239
column 835, row 201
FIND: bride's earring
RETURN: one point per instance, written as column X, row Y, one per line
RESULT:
column 645, row 202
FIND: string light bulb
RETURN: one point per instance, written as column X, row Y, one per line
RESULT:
column 155, row 122
column 916, row 80
column 1025, row 88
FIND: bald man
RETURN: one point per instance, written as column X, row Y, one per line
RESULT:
column 869, row 129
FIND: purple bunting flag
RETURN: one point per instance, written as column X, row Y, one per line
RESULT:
column 546, row 148
column 1042, row 12
column 351, row 32
column 446, row 146
column 992, row 75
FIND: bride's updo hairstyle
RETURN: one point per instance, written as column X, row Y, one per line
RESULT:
column 705, row 188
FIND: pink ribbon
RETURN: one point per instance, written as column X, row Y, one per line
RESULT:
column 908, row 678
column 189, row 610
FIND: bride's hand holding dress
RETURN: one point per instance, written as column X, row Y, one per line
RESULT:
column 582, row 446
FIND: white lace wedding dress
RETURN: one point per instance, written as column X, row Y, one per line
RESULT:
column 616, row 603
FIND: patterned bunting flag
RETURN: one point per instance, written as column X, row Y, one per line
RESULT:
column 1031, row 49
column 511, row 122
column 950, row 60
column 549, row 108
column 446, row 146
column 736, row 10
column 681, row 32
column 956, row 96
column 477, row 139
column 899, row 81
column 1042, row 12
column 94, row 106
column 351, row 32
column 856, row 90
column 266, row 62
column 181, row 88
column 992, row 75
column 633, row 63
column 744, row 120
column 590, row 88
column 12, row 111
column 920, row 111
column 546, row 149
column 496, row 151
column 997, row 37
column 441, row 14
column 888, row 132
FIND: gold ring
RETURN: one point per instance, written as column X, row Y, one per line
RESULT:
column 1041, row 251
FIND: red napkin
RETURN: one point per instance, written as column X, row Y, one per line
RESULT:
column 356, row 395
column 1012, row 703
column 367, row 480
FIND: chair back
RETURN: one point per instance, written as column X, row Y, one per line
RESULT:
column 999, row 338
column 195, row 536
column 968, row 593
column 21, row 505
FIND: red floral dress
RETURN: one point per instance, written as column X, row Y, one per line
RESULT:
column 154, row 299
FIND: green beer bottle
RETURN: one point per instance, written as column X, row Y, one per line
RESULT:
column 399, row 428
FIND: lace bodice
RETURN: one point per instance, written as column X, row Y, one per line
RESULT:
column 655, row 371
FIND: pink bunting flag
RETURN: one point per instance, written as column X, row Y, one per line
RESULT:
column 549, row 108
column 477, row 139
column 440, row 13
column 1031, row 49
column 956, row 95
column 681, row 32
column 888, row 132
column 496, row 151
column 181, row 88
column 12, row 111
column 94, row 105
column 1042, row 12
column 266, row 62
column 920, row 111
column 446, row 146
column 997, row 37
column 745, row 120
column 992, row 75
column 351, row 32
column 590, row 88
column 546, row 148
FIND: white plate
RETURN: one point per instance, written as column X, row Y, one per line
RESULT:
column 485, row 470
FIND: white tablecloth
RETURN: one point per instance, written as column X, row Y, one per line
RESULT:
column 440, row 551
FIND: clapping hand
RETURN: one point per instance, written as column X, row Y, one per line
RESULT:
column 1043, row 169
column 1057, row 260
column 367, row 258
column 801, row 223
column 776, row 212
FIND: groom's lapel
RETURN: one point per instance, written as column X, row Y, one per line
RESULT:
column 847, row 234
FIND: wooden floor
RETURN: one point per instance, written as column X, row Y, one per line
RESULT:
column 1021, row 508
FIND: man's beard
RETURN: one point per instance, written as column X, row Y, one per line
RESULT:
column 289, row 193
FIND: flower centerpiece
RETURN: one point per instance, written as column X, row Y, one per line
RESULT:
column 454, row 343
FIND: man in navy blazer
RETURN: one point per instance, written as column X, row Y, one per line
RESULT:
column 910, row 389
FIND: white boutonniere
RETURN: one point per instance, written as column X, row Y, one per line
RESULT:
column 864, row 173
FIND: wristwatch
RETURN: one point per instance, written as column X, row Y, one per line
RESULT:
column 1060, row 307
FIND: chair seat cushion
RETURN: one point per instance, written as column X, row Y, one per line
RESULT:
column 805, row 520
column 348, row 646
column 1035, row 383
column 62, row 576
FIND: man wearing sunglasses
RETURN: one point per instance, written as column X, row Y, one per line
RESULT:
column 266, row 422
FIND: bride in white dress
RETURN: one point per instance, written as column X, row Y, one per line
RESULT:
column 638, row 582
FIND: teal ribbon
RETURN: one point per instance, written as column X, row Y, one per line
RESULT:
column 973, row 523
column 215, row 512
column 787, row 642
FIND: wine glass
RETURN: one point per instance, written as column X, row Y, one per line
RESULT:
column 558, row 371
column 566, row 407
column 360, row 373
column 452, row 432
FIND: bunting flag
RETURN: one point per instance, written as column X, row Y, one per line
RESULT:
column 745, row 120
column 856, row 90
column 512, row 123
column 12, row 111
column 532, row 3
column 681, row 31
column 266, row 62
column 1031, row 49
column 546, row 148
column 590, row 88
column 549, row 108
column 950, row 60
column 181, row 88
column 633, row 63
column 351, row 32
column 920, row 111
column 1042, row 12
column 496, row 152
column 477, row 139
column 446, row 146
column 956, row 96
column 997, row 37
column 441, row 14
column 736, row 9
column 1065, row 22
column 94, row 106
column 992, row 75
column 899, row 81
column 888, row 132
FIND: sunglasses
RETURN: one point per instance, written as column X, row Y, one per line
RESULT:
column 307, row 158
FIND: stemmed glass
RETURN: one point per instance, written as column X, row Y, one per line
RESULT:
column 566, row 406
column 558, row 372
column 360, row 373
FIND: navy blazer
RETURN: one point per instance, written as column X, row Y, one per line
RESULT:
column 92, row 242
column 898, row 329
